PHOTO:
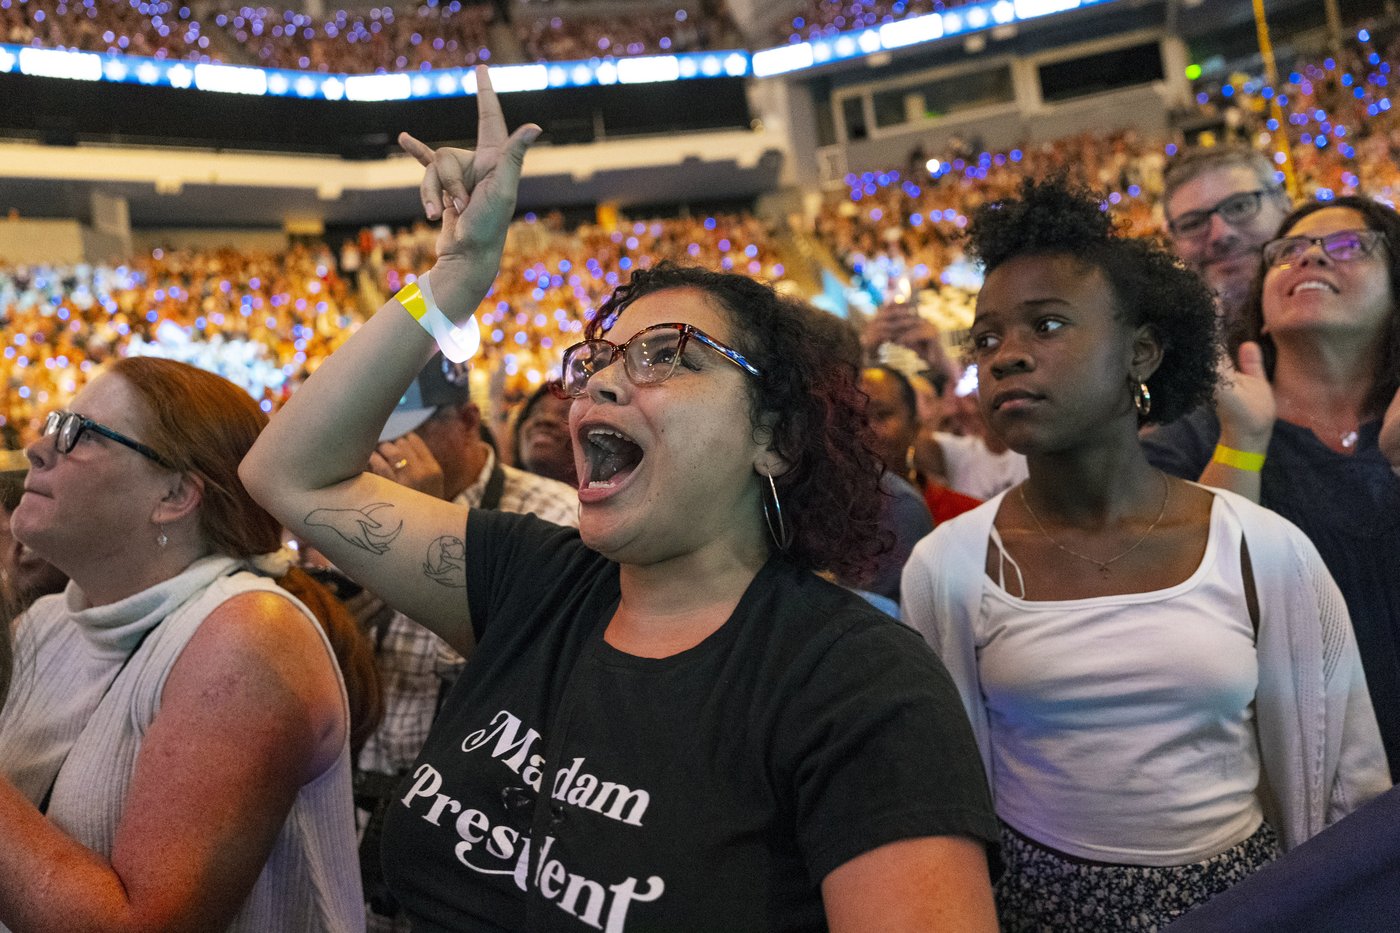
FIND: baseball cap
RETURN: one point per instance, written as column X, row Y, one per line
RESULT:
column 440, row 382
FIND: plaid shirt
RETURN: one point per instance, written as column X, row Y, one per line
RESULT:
column 415, row 665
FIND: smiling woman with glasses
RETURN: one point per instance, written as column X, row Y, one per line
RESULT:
column 1310, row 425
column 668, row 720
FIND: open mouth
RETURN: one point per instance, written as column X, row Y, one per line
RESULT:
column 611, row 455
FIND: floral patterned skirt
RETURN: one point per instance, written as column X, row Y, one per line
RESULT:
column 1043, row 891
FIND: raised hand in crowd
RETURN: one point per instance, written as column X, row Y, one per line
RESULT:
column 901, row 324
column 1244, row 403
column 1390, row 434
column 310, row 464
column 408, row 462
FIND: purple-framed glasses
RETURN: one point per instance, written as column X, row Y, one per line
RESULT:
column 1342, row 246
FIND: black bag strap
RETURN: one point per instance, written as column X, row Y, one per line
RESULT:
column 495, row 486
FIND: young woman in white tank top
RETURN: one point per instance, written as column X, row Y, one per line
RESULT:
column 1107, row 653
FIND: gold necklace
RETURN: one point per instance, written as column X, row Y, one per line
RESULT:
column 1101, row 564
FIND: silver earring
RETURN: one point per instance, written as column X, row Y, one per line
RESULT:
column 782, row 536
column 1142, row 399
column 161, row 539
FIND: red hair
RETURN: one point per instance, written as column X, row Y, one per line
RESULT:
column 203, row 425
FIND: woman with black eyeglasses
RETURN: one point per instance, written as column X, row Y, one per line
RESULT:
column 175, row 748
column 1310, row 424
column 667, row 721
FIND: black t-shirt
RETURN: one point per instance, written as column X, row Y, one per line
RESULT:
column 569, row 786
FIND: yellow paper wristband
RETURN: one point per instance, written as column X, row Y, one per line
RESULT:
column 458, row 344
column 411, row 297
column 1239, row 459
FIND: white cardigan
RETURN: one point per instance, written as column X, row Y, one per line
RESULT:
column 1319, row 746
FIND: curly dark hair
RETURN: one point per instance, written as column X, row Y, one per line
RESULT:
column 809, row 394
column 1377, row 217
column 1150, row 286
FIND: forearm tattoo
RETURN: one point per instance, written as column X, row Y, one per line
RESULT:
column 358, row 526
column 446, row 562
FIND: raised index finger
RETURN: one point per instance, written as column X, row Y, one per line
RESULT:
column 490, row 120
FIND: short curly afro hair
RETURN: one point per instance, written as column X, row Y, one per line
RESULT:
column 1054, row 217
column 809, row 395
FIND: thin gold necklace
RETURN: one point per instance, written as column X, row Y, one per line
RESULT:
column 1101, row 564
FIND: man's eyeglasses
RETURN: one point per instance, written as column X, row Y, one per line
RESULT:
column 68, row 426
column 1234, row 210
column 650, row 357
column 1342, row 246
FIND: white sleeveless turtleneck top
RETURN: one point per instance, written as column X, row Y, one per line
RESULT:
column 66, row 710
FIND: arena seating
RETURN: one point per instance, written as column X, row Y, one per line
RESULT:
column 409, row 36
column 268, row 319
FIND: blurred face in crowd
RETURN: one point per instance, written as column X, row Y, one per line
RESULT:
column 894, row 425
column 1347, row 293
column 669, row 470
column 1219, row 221
column 545, row 447
column 26, row 576
column 930, row 412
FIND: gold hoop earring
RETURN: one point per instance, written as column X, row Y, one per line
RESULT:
column 782, row 535
column 1142, row 399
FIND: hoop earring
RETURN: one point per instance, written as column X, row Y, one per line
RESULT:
column 782, row 535
column 1142, row 399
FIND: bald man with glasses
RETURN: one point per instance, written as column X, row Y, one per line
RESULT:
column 1222, row 205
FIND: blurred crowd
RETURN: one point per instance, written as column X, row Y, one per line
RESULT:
column 432, row 35
column 260, row 319
column 403, row 37
column 266, row 320
column 1336, row 112
column 422, row 35
column 899, row 229
column 572, row 36
column 817, row 18
column 158, row 29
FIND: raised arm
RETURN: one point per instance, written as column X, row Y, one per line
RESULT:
column 308, row 468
